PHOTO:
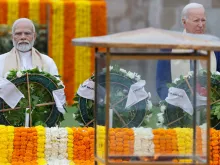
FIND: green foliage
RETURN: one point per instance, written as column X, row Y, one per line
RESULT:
column 5, row 39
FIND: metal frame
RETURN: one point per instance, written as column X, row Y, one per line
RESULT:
column 195, row 55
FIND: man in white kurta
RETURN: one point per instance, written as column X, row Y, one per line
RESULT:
column 24, row 56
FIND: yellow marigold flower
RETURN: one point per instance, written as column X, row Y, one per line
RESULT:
column 41, row 161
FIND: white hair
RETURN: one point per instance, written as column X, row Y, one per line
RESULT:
column 190, row 6
column 22, row 20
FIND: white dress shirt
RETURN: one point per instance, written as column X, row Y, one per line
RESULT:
column 26, row 60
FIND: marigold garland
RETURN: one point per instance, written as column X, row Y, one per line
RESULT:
column 25, row 145
column 100, row 141
column 121, row 141
column 70, row 143
column 214, row 147
column 184, row 142
column 165, row 141
column 75, row 146
column 10, row 137
column 13, row 9
column 4, row 144
column 83, row 143
column 41, row 139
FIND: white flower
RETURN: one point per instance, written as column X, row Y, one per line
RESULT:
column 123, row 71
column 161, row 119
column 60, row 84
column 159, row 125
column 19, row 74
column 190, row 73
column 163, row 108
column 138, row 78
column 159, row 114
column 149, row 105
column 130, row 75
column 110, row 68
column 6, row 74
column 40, row 70
column 143, row 144
column 175, row 81
column 149, row 95
column 203, row 126
column 74, row 116
column 147, row 117
column 216, row 73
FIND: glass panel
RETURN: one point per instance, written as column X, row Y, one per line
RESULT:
column 153, row 117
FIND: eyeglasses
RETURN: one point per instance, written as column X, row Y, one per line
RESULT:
column 19, row 34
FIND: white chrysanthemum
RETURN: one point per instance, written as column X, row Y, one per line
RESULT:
column 190, row 73
column 143, row 142
column 19, row 73
column 216, row 73
column 123, row 71
column 149, row 105
column 138, row 78
column 110, row 68
column 40, row 70
column 160, row 118
column 163, row 108
column 147, row 117
column 176, row 80
column 159, row 114
column 130, row 74
column 159, row 125
column 61, row 84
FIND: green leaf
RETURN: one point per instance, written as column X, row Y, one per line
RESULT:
column 75, row 98
column 181, row 77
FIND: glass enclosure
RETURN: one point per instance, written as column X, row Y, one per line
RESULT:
column 133, row 128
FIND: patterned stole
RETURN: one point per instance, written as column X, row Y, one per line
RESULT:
column 12, row 61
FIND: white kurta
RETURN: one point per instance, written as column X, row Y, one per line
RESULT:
column 182, row 67
column 26, row 63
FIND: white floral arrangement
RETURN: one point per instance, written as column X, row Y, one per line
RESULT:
column 123, row 72
column 143, row 141
column 56, row 144
column 19, row 73
column 160, row 116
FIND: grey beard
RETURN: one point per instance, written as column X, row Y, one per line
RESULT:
column 24, row 47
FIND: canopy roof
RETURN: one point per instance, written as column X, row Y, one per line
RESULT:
column 152, row 38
